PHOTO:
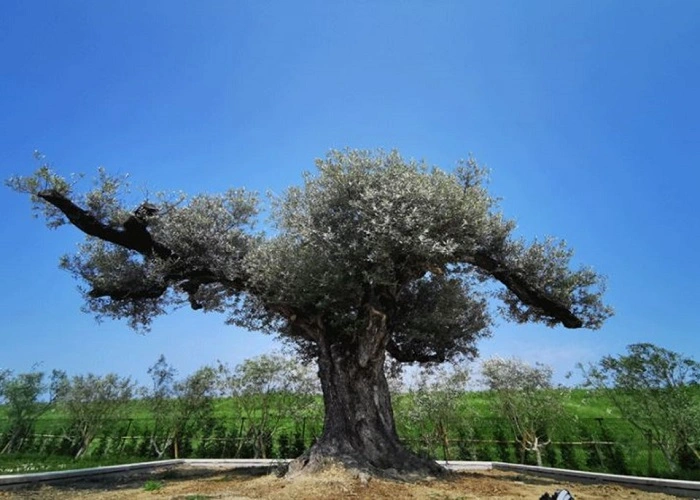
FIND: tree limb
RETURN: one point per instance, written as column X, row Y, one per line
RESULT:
column 528, row 294
column 133, row 235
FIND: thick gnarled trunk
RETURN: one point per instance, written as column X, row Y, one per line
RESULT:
column 359, row 430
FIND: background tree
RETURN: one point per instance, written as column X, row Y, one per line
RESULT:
column 193, row 405
column 371, row 255
column 434, row 405
column 269, row 390
column 524, row 395
column 21, row 395
column 160, row 401
column 90, row 402
column 658, row 392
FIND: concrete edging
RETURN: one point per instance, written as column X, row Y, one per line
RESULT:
column 463, row 465
column 235, row 462
column 672, row 486
column 38, row 477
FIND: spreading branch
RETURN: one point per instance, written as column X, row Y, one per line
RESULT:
column 528, row 294
column 133, row 235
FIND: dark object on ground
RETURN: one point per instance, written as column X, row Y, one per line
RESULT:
column 558, row 495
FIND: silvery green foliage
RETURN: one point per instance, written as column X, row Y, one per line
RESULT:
column 159, row 399
column 439, row 317
column 372, row 228
column 273, row 373
column 43, row 178
column 547, row 263
column 525, row 396
column 194, row 398
column 271, row 388
column 206, row 234
column 369, row 231
column 512, row 374
column 656, row 390
column 369, row 221
column 209, row 232
column 102, row 265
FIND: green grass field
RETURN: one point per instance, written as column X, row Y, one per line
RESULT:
column 593, row 436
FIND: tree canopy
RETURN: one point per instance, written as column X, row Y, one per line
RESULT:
column 372, row 254
column 369, row 230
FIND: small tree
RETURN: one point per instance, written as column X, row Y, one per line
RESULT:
column 525, row 396
column 658, row 392
column 192, row 407
column 21, row 395
column 269, row 390
column 90, row 401
column 160, row 401
column 435, row 405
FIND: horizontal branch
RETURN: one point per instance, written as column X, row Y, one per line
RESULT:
column 133, row 235
column 528, row 294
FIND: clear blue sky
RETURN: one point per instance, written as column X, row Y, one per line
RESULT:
column 587, row 113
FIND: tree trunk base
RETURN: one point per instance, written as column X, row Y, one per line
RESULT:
column 359, row 434
column 405, row 466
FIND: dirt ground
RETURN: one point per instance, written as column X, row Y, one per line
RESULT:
column 190, row 483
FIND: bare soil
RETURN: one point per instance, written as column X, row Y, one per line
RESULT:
column 194, row 483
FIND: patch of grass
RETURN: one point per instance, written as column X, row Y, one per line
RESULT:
column 151, row 485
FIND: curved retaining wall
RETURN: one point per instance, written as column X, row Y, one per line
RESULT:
column 41, row 477
column 670, row 486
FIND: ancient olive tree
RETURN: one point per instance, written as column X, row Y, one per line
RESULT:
column 371, row 255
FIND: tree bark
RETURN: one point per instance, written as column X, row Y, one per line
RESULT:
column 359, row 431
